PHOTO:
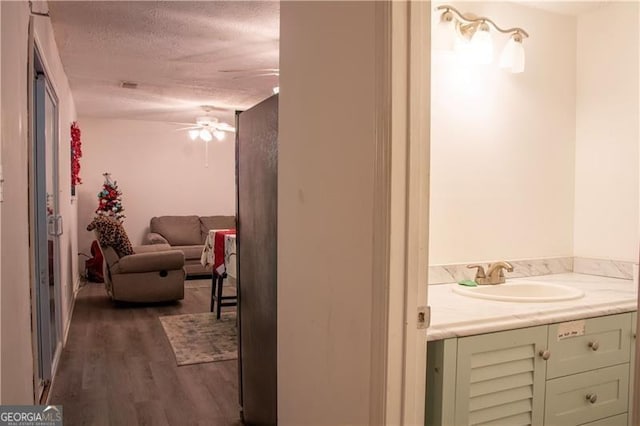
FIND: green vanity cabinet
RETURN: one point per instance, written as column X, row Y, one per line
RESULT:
column 572, row 373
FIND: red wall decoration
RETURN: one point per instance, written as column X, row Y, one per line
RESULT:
column 76, row 153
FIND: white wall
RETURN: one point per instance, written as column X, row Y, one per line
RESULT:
column 159, row 170
column 502, row 145
column 17, row 355
column 325, row 211
column 607, row 114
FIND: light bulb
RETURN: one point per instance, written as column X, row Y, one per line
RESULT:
column 276, row 90
column 205, row 135
column 463, row 49
column 482, row 45
column 443, row 35
column 518, row 58
column 193, row 134
column 219, row 134
column 512, row 56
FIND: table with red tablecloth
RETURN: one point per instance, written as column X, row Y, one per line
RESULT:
column 219, row 254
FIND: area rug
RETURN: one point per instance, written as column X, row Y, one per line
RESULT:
column 198, row 338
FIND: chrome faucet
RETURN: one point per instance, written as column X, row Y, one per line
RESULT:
column 494, row 274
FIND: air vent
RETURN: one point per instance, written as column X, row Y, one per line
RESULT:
column 128, row 85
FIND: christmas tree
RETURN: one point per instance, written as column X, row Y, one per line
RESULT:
column 110, row 199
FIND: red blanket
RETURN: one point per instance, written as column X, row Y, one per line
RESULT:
column 218, row 247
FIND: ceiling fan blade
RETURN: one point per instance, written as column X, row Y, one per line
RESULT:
column 246, row 77
column 188, row 128
column 225, row 127
column 183, row 124
column 252, row 70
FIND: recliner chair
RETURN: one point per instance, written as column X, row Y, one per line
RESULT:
column 141, row 274
column 152, row 274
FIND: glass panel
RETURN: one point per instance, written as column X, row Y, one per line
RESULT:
column 41, row 231
column 52, row 211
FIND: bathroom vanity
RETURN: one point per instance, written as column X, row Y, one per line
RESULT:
column 564, row 363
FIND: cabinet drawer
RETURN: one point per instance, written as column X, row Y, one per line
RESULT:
column 567, row 402
column 619, row 420
column 598, row 342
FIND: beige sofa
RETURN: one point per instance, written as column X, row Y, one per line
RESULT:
column 187, row 234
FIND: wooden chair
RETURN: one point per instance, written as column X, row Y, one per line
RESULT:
column 217, row 282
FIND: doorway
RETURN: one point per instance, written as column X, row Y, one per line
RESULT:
column 46, row 223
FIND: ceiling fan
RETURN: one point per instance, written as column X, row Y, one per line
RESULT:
column 208, row 127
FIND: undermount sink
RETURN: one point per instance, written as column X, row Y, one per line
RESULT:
column 522, row 291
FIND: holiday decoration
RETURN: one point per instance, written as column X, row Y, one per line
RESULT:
column 110, row 199
column 76, row 153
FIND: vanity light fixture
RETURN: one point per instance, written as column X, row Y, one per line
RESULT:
column 476, row 33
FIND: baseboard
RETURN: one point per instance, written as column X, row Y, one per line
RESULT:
column 65, row 335
column 76, row 288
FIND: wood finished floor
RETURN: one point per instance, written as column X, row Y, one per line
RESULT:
column 118, row 368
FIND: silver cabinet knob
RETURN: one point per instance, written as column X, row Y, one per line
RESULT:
column 545, row 354
column 592, row 398
column 594, row 345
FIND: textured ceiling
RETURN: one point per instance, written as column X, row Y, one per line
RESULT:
column 174, row 50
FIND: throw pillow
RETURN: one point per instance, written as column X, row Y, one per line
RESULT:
column 111, row 233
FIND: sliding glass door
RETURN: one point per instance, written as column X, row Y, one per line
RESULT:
column 47, row 223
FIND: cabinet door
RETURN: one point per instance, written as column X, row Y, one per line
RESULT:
column 500, row 378
column 584, row 345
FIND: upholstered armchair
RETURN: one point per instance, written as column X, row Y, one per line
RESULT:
column 152, row 273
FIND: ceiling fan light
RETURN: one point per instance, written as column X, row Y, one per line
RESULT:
column 194, row 133
column 205, row 135
column 219, row 135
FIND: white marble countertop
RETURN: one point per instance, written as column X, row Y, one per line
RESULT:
column 454, row 315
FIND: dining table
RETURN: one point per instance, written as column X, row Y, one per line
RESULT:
column 219, row 253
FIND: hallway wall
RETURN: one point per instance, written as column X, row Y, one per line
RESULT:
column 325, row 211
column 17, row 362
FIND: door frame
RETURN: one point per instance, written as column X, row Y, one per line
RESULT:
column 37, row 59
column 401, row 214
